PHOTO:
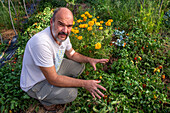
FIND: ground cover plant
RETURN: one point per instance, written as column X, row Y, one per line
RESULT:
column 135, row 42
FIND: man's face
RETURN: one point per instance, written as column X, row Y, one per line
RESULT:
column 62, row 26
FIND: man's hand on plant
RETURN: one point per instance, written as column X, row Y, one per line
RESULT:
column 92, row 86
column 93, row 62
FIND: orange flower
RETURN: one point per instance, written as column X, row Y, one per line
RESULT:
column 155, row 97
column 163, row 76
column 110, row 43
column 80, row 37
column 35, row 23
column 124, row 45
column 101, row 22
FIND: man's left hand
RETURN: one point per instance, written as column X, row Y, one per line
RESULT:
column 93, row 62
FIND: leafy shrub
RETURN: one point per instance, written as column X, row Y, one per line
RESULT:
column 134, row 76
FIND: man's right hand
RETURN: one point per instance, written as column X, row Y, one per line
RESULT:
column 92, row 86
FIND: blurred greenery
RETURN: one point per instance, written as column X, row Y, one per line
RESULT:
column 136, row 76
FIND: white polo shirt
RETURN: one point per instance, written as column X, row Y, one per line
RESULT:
column 41, row 50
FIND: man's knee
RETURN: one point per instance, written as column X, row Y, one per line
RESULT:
column 72, row 94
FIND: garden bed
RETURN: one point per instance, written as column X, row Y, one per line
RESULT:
column 127, row 33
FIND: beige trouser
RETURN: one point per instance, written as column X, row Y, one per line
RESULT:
column 48, row 94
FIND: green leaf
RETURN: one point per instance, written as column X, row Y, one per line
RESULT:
column 2, row 108
column 94, row 109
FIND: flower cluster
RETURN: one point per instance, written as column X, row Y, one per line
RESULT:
column 90, row 29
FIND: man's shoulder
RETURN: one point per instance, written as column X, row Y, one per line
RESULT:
column 42, row 37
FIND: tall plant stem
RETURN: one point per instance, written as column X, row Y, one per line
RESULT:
column 11, row 16
column 25, row 8
column 160, row 7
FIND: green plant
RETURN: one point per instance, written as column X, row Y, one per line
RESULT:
column 91, row 36
column 135, row 76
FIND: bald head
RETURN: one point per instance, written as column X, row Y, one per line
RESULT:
column 62, row 11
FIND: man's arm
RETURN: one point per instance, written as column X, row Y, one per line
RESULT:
column 64, row 81
column 71, row 54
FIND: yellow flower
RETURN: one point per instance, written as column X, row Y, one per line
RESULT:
column 83, row 15
column 132, row 61
column 52, row 10
column 91, row 23
column 98, row 23
column 108, row 23
column 100, row 28
column 94, row 19
column 87, row 13
column 100, row 77
column 38, row 27
column 89, row 28
column 90, row 16
column 79, row 37
column 78, row 21
column 139, row 58
column 85, row 25
column 76, row 28
column 76, row 31
column 156, row 70
column 81, row 26
column 110, row 20
column 93, row 33
column 98, row 45
column 73, row 22
column 97, row 16
column 72, row 30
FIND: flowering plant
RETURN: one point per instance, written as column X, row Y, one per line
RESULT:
column 91, row 36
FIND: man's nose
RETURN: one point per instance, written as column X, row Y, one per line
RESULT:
column 65, row 29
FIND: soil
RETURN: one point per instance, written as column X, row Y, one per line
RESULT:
column 7, row 34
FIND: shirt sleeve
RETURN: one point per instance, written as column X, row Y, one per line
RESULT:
column 42, row 55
